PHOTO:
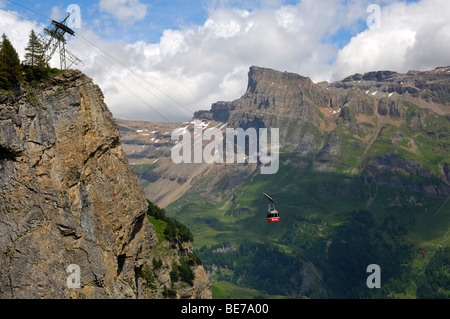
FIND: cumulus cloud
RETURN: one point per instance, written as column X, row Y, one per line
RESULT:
column 410, row 36
column 202, row 64
column 193, row 66
column 17, row 29
column 125, row 11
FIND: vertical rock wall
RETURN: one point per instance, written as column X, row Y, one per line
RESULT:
column 68, row 196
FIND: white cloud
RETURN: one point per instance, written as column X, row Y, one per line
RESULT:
column 201, row 64
column 17, row 29
column 206, row 63
column 414, row 36
column 126, row 11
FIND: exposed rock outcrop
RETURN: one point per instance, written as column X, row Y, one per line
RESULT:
column 157, row 281
column 68, row 196
column 274, row 99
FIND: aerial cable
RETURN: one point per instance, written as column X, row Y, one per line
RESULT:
column 130, row 71
column 99, row 66
column 126, row 87
column 184, row 106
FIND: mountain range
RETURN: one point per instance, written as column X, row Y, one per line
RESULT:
column 364, row 178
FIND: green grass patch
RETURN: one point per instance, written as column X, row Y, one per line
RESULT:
column 228, row 290
column 160, row 226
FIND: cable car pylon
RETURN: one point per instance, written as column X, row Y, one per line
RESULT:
column 57, row 40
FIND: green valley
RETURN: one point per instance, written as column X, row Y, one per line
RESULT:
column 364, row 178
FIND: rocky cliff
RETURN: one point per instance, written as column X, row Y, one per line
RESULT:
column 274, row 99
column 69, row 197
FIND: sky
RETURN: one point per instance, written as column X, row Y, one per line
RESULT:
column 164, row 60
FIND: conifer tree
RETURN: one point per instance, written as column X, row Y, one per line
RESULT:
column 34, row 63
column 3, row 74
column 3, row 77
column 34, row 55
column 10, row 68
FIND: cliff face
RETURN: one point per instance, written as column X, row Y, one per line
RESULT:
column 68, row 196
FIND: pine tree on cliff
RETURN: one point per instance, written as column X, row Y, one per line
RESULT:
column 34, row 62
column 34, row 55
column 3, row 78
column 10, row 68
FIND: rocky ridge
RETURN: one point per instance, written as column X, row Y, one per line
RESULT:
column 346, row 126
column 340, row 126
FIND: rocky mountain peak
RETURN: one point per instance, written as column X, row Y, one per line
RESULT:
column 261, row 79
column 270, row 95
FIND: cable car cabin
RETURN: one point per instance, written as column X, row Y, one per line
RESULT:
column 273, row 216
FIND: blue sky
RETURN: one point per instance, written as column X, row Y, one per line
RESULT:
column 160, row 15
column 147, row 54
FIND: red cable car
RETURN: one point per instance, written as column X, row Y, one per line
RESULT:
column 272, row 214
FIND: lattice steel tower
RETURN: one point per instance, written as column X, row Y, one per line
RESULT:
column 57, row 31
